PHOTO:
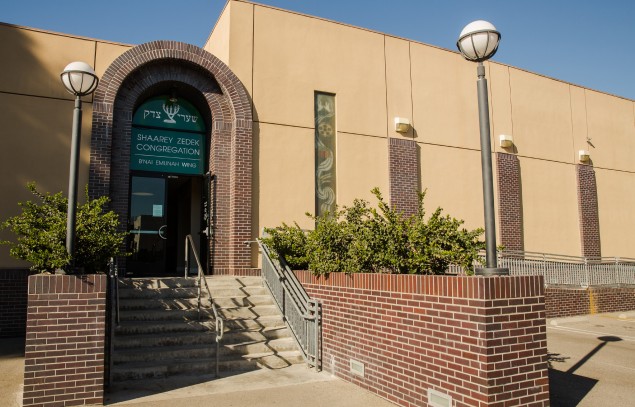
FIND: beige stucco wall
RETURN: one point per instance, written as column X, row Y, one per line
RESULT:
column 457, row 189
column 616, row 194
column 37, row 111
column 550, row 209
column 445, row 108
column 377, row 77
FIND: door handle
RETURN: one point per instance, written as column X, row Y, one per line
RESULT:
column 163, row 232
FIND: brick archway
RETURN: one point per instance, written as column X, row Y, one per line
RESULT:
column 230, row 156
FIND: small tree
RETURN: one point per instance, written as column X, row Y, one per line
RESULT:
column 41, row 233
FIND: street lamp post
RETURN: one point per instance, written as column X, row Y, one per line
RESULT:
column 80, row 80
column 478, row 42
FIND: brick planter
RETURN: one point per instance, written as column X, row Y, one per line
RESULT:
column 64, row 356
column 480, row 341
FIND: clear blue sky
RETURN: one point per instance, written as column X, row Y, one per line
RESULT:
column 585, row 42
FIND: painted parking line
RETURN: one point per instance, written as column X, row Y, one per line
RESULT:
column 595, row 333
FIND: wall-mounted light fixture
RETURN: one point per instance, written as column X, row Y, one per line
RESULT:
column 583, row 156
column 402, row 125
column 506, row 141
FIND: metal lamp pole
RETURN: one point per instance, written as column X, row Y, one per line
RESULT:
column 71, row 215
column 80, row 80
column 478, row 42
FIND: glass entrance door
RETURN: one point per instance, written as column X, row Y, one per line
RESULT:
column 147, row 226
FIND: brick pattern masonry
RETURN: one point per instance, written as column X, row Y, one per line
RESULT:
column 588, row 211
column 567, row 302
column 480, row 340
column 123, row 84
column 13, row 299
column 403, row 162
column 64, row 355
column 510, row 207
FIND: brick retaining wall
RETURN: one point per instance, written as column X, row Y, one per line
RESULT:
column 13, row 299
column 480, row 340
column 64, row 356
column 565, row 302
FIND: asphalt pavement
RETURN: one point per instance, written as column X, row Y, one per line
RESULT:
column 592, row 360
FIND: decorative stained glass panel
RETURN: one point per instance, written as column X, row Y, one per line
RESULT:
column 325, row 143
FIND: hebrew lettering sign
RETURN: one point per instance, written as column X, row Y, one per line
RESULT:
column 168, row 137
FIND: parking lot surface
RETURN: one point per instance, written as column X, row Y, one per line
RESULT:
column 592, row 359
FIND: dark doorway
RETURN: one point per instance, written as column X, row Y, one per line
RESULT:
column 164, row 209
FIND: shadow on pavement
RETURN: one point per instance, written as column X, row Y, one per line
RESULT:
column 567, row 388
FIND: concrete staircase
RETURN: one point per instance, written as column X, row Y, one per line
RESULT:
column 160, row 333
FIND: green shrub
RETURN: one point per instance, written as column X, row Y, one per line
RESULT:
column 41, row 233
column 290, row 243
column 361, row 238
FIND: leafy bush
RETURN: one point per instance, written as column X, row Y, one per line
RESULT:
column 41, row 233
column 361, row 238
column 290, row 243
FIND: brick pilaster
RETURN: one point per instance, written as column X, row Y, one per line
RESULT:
column 510, row 206
column 403, row 167
column 588, row 211
column 65, row 340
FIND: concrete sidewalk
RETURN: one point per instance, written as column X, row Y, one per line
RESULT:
column 11, row 371
column 292, row 386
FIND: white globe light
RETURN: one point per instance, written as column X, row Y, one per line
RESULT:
column 478, row 41
column 79, row 78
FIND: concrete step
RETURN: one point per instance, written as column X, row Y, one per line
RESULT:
column 254, row 324
column 220, row 292
column 156, row 283
column 155, row 327
column 170, row 293
column 199, row 338
column 164, row 353
column 161, row 335
column 157, row 369
column 259, row 347
column 243, row 301
column 158, row 303
column 249, row 312
column 233, row 281
column 201, row 351
column 262, row 334
column 192, row 303
column 166, row 315
column 271, row 360
column 153, row 340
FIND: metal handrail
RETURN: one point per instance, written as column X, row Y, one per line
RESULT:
column 565, row 258
column 300, row 313
column 566, row 270
column 114, row 278
column 113, row 274
column 219, row 323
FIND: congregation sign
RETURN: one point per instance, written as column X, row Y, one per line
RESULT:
column 167, row 136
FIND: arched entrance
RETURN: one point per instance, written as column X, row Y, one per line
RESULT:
column 168, row 167
column 155, row 70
